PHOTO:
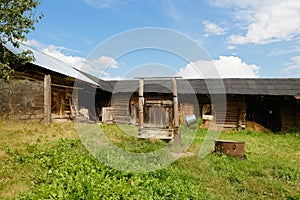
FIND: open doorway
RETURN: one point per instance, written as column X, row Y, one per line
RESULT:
column 264, row 111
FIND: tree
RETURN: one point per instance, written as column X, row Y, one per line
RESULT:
column 17, row 18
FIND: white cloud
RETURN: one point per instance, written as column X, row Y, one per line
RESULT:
column 106, row 61
column 171, row 10
column 33, row 43
column 293, row 68
column 212, row 28
column 268, row 21
column 231, row 47
column 224, row 67
column 103, row 3
column 292, row 47
column 241, row 4
column 95, row 67
column 107, row 76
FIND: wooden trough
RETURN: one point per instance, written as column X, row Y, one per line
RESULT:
column 157, row 133
column 229, row 147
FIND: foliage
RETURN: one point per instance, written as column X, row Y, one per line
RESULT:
column 294, row 131
column 36, row 163
column 17, row 18
column 118, row 135
column 200, row 122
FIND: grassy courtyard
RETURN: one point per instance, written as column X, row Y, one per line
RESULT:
column 40, row 161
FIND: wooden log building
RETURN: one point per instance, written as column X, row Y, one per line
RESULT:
column 272, row 103
column 69, row 89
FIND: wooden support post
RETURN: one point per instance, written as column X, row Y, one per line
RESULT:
column 242, row 114
column 177, row 137
column 47, row 99
column 75, row 101
column 61, row 104
column 141, row 103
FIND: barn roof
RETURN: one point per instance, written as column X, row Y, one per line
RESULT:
column 250, row 86
column 104, row 85
column 247, row 86
column 51, row 63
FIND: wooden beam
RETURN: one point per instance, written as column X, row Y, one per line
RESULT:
column 61, row 103
column 175, row 102
column 141, row 102
column 47, row 99
column 158, row 77
column 75, row 102
column 177, row 137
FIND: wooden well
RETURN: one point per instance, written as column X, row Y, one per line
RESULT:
column 161, row 114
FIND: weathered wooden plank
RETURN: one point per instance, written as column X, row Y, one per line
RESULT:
column 141, row 102
column 47, row 99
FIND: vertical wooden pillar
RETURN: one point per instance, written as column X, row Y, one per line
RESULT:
column 47, row 99
column 75, row 101
column 141, row 102
column 177, row 137
column 242, row 114
column 61, row 104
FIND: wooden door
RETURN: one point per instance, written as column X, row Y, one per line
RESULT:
column 158, row 115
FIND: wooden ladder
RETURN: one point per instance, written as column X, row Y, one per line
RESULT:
column 72, row 109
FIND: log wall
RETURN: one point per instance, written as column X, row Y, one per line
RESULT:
column 233, row 114
column 189, row 104
column 230, row 116
column 120, row 108
column 62, row 91
column 125, row 109
column 22, row 99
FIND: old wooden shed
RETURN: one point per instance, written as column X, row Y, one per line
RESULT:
column 230, row 103
column 69, row 89
column 273, row 103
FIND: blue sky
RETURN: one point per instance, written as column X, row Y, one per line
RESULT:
column 243, row 38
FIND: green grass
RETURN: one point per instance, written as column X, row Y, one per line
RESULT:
column 125, row 137
column 40, row 161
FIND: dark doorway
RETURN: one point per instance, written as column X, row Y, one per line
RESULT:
column 264, row 111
